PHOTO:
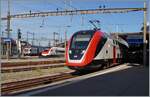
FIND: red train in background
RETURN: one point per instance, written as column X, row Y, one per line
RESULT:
column 93, row 49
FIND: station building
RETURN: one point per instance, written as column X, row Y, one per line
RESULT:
column 10, row 43
column 25, row 48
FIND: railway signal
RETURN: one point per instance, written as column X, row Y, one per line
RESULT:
column 19, row 34
column 19, row 43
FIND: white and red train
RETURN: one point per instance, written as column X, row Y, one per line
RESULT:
column 53, row 51
column 89, row 49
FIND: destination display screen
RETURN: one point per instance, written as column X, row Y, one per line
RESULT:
column 83, row 37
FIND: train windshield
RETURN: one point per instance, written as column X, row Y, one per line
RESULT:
column 80, row 40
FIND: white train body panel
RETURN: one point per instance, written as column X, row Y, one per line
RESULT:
column 107, row 50
column 105, row 53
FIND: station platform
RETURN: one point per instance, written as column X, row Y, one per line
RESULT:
column 133, row 81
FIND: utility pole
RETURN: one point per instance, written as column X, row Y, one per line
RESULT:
column 27, row 37
column 49, row 44
column 117, row 28
column 39, row 44
column 65, row 5
column 54, row 38
column 65, row 42
column 33, row 39
column 8, row 31
column 3, row 33
column 19, row 43
column 144, row 36
column 66, row 39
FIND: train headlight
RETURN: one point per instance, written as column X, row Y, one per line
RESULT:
column 83, row 52
column 70, row 51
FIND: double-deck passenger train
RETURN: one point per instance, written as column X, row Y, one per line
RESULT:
column 92, row 49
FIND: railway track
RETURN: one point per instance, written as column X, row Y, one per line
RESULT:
column 32, row 67
column 30, row 63
column 10, row 88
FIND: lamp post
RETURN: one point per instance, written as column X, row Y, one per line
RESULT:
column 144, row 36
column 8, row 31
column 19, row 43
column 66, row 39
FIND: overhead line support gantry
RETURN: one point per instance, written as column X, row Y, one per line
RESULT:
column 74, row 12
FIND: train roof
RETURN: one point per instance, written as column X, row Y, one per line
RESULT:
column 116, row 38
column 113, row 37
column 85, row 31
column 121, row 40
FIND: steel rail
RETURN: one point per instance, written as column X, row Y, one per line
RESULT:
column 29, row 68
column 29, row 63
column 14, row 87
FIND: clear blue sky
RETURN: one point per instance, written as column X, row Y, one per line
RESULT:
column 127, row 22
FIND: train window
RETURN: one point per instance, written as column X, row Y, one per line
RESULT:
column 80, row 41
column 118, row 55
column 114, row 41
column 106, row 51
column 118, row 43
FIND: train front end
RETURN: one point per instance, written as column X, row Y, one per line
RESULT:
column 81, row 48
